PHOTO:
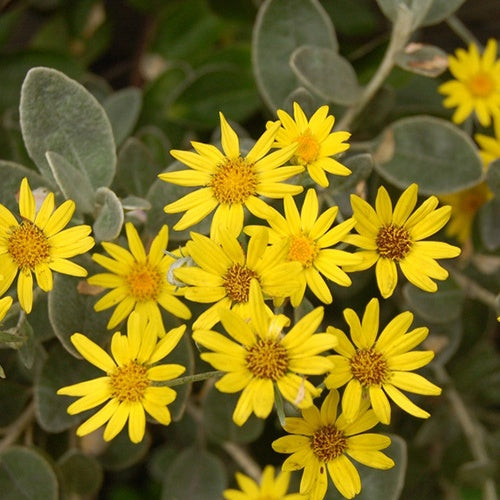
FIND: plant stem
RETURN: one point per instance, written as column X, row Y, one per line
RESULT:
column 17, row 427
column 197, row 377
column 243, row 459
column 401, row 31
column 474, row 290
column 461, row 30
column 471, row 430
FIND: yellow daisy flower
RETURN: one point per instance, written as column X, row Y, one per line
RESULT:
column 230, row 181
column 374, row 368
column 39, row 244
column 321, row 441
column 476, row 87
column 138, row 280
column 224, row 270
column 464, row 207
column 128, row 386
column 316, row 142
column 260, row 359
column 309, row 239
column 388, row 238
column 5, row 304
column 269, row 488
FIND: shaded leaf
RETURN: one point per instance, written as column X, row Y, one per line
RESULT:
column 195, row 473
column 58, row 114
column 326, row 73
column 280, row 28
column 493, row 177
column 361, row 165
column 122, row 453
column 25, row 473
column 80, row 474
column 430, row 151
column 123, row 108
column 488, row 217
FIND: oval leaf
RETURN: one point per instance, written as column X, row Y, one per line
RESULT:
column 58, row 114
column 123, row 108
column 194, row 473
column 281, row 27
column 25, row 473
column 81, row 474
column 493, row 177
column 422, row 59
column 109, row 220
column 326, row 73
column 432, row 152
column 489, row 229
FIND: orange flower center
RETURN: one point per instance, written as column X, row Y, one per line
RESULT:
column 393, row 242
column 267, row 359
column 308, row 149
column 144, row 282
column 237, row 282
column 481, row 85
column 369, row 367
column 28, row 246
column 328, row 443
column 234, row 181
column 129, row 382
column 303, row 249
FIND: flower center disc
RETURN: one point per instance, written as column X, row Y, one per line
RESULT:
column 267, row 359
column 393, row 242
column 129, row 382
column 144, row 282
column 28, row 246
column 481, row 85
column 234, row 181
column 369, row 367
column 308, row 149
column 328, row 443
column 237, row 283
column 303, row 250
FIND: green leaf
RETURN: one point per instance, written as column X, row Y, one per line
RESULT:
column 110, row 216
column 136, row 169
column 122, row 453
column 195, row 473
column 231, row 91
column 440, row 10
column 488, row 217
column 73, row 184
column 28, row 348
column 385, row 484
column 493, row 177
column 26, row 474
column 80, row 474
column 280, row 28
column 60, row 370
column 71, row 309
column 425, row 60
column 217, row 415
column 60, row 115
column 13, row 399
column 123, row 108
column 361, row 166
column 430, row 151
column 440, row 307
column 326, row 73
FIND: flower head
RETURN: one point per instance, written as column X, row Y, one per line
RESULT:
column 39, row 244
column 308, row 240
column 138, row 280
column 224, row 270
column 128, row 386
column 5, row 303
column 316, row 142
column 321, row 441
column 230, row 181
column 269, row 488
column 260, row 359
column 391, row 238
column 476, row 86
column 489, row 147
column 374, row 368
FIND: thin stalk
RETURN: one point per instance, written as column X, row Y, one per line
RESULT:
column 197, row 377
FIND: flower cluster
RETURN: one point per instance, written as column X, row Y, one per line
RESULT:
column 270, row 250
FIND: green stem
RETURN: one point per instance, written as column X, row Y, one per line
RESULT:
column 472, row 289
column 197, row 377
column 401, row 31
column 470, row 428
column 462, row 31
